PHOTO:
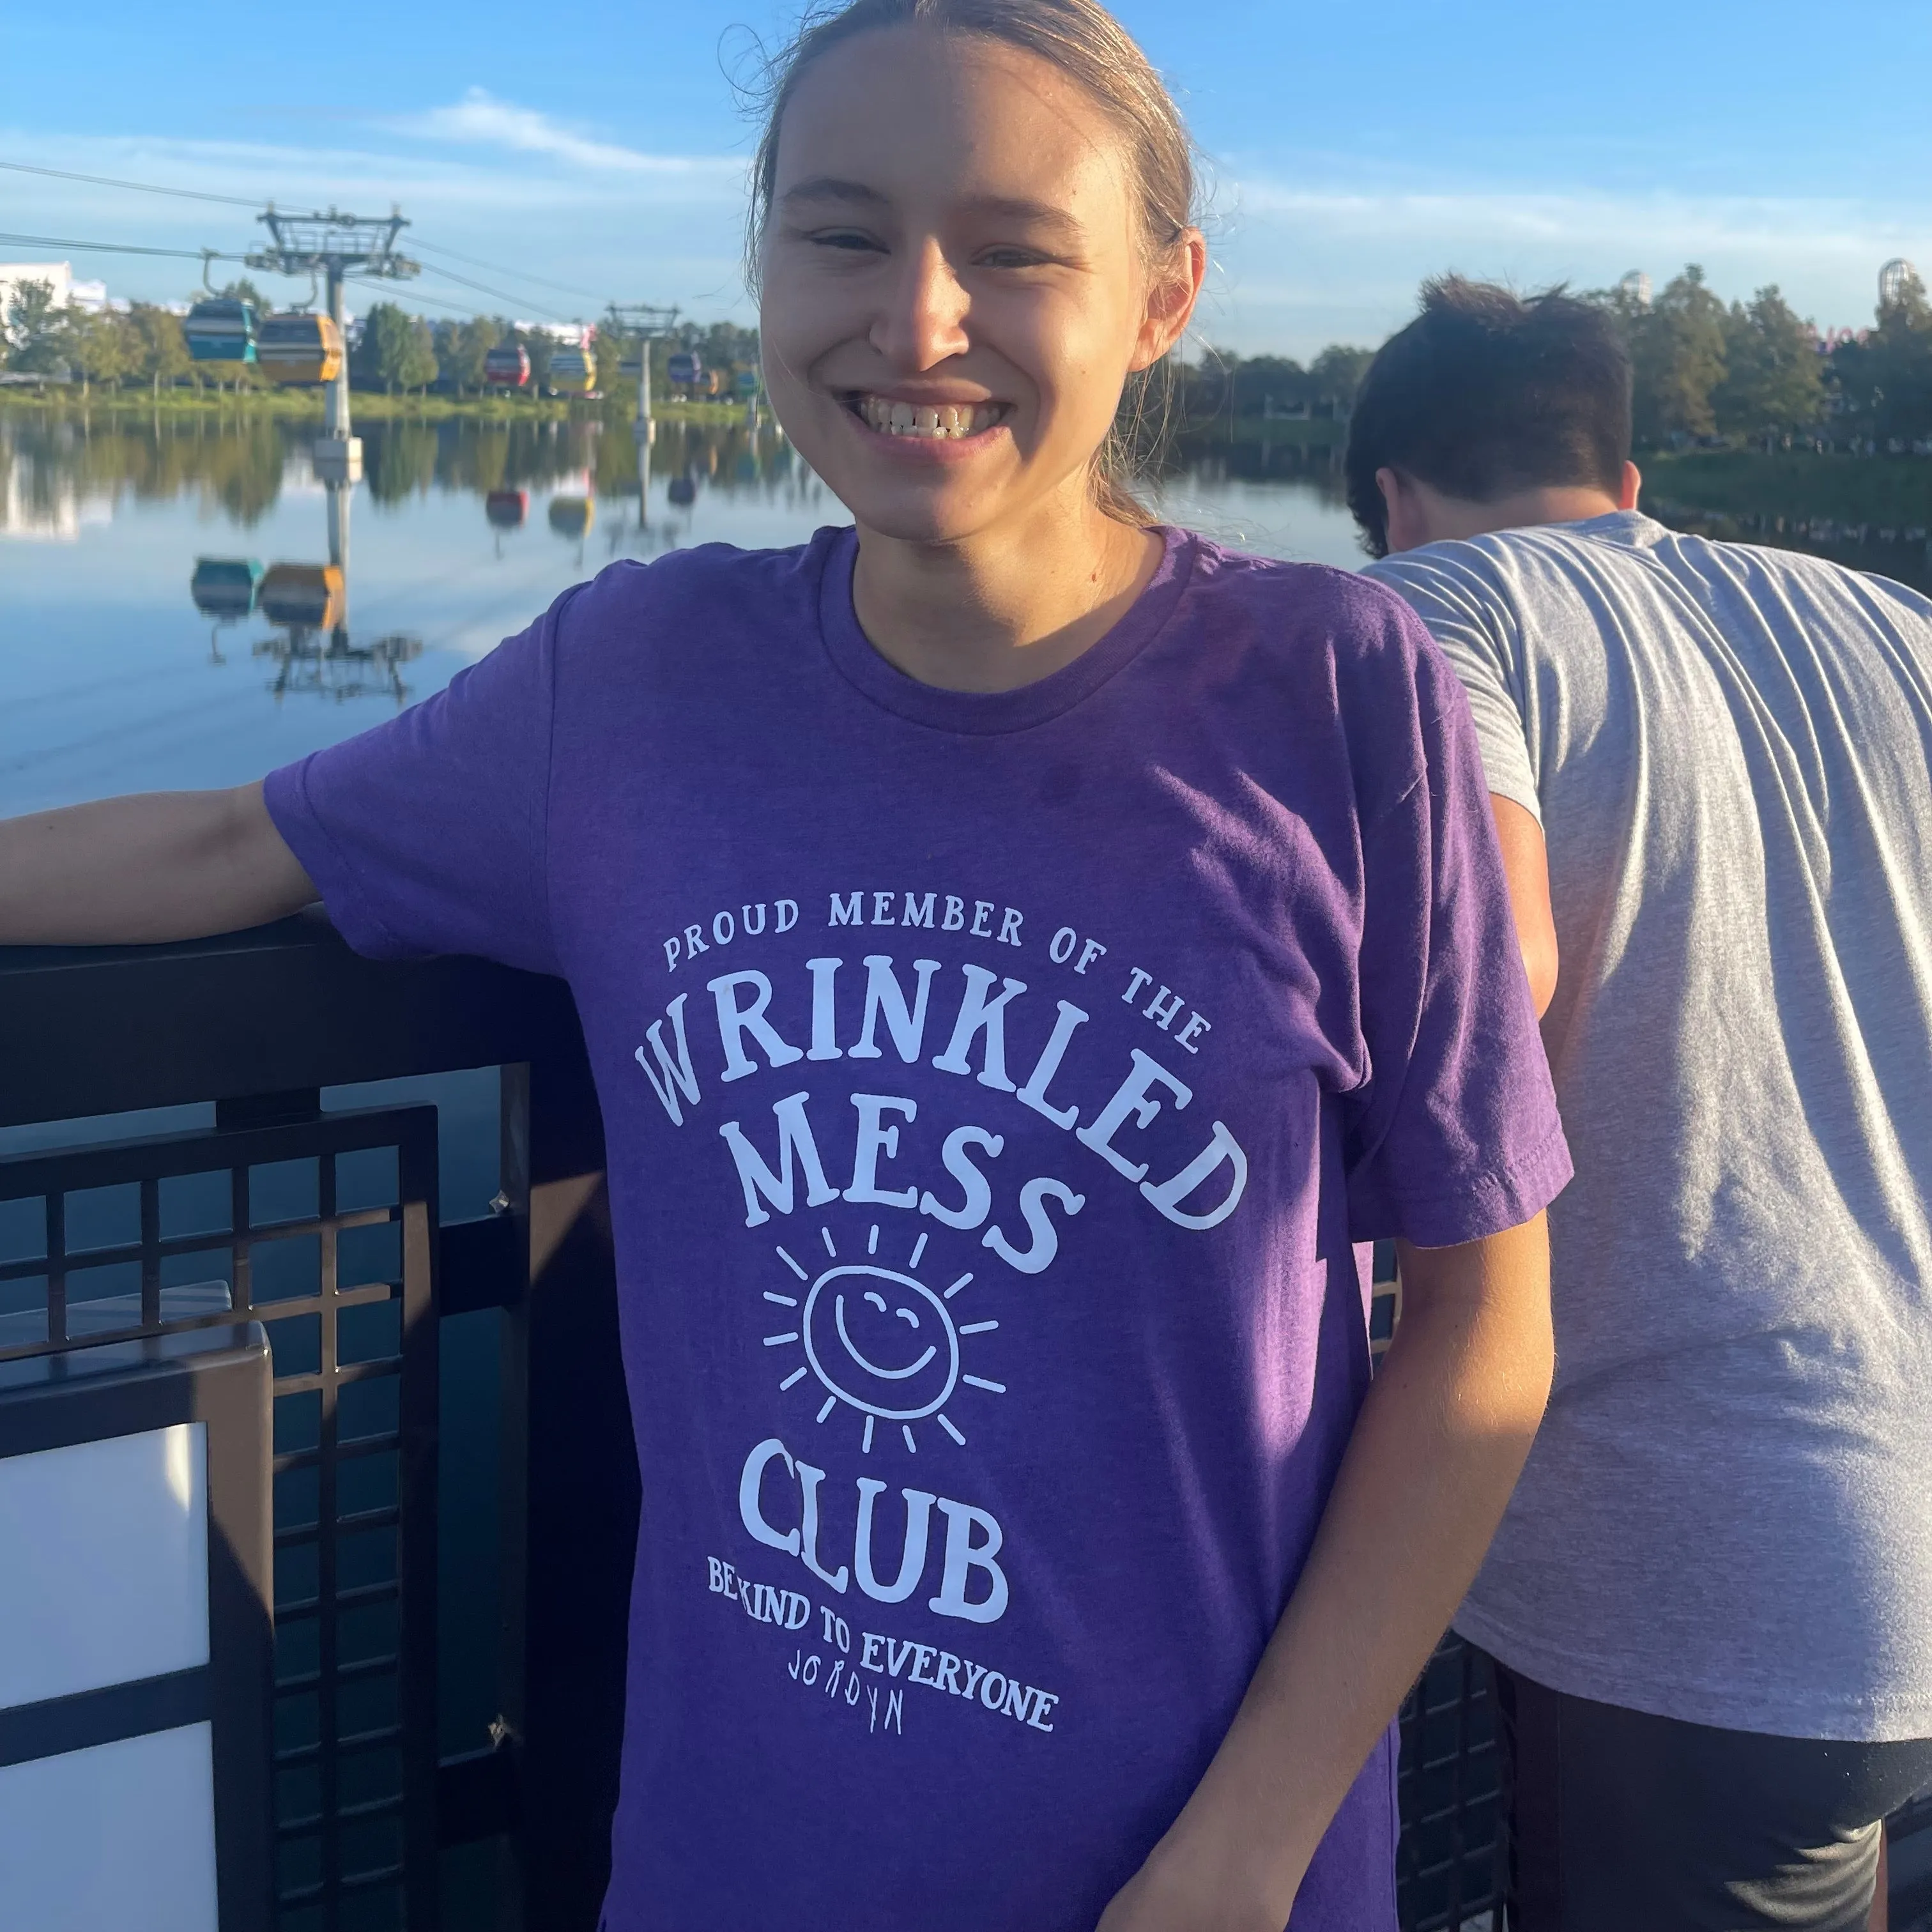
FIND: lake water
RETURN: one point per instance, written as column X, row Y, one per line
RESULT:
column 127, row 667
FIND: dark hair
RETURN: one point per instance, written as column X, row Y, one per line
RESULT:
column 1486, row 393
column 1087, row 44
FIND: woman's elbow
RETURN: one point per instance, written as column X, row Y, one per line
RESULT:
column 1539, row 962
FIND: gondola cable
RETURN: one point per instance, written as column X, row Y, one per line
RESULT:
column 140, row 187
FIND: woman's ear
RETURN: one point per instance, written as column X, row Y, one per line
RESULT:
column 1174, row 286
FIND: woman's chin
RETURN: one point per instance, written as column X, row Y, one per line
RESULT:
column 919, row 514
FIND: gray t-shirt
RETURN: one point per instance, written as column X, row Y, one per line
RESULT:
column 1727, row 1517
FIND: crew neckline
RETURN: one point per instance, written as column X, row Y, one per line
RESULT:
column 858, row 661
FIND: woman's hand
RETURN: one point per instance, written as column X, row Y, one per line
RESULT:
column 1186, row 1888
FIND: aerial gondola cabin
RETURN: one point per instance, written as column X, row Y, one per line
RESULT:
column 507, row 366
column 573, row 370
column 684, row 371
column 572, row 516
column 507, row 508
column 223, row 587
column 304, row 596
column 299, row 348
column 221, row 330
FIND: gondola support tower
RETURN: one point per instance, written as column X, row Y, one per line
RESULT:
column 650, row 323
column 333, row 245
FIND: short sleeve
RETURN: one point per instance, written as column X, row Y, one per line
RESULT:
column 427, row 834
column 1477, row 628
column 1455, row 1133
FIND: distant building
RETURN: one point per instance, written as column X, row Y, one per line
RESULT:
column 1893, row 280
column 91, row 296
column 1636, row 286
column 572, row 334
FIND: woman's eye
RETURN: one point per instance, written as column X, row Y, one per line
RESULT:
column 1011, row 257
column 849, row 239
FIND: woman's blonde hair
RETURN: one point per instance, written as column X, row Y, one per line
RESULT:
column 1087, row 43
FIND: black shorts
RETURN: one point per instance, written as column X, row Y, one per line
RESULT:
column 1621, row 1821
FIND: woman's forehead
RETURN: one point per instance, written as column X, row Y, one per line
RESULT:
column 907, row 114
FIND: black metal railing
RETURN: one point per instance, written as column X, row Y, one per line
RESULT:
column 321, row 1220
column 321, row 1229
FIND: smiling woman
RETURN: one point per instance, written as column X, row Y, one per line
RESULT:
column 1100, row 70
column 991, row 1268
column 1021, row 164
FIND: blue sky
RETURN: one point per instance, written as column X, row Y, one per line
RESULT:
column 1351, row 152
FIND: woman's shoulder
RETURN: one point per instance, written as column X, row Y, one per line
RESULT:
column 1296, row 609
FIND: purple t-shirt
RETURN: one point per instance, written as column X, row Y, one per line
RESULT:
column 993, row 1086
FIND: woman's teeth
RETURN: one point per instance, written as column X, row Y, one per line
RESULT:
column 949, row 419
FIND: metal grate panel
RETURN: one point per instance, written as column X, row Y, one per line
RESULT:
column 1449, row 1865
column 322, row 1228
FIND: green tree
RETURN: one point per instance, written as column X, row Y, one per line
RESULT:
column 35, row 328
column 102, row 348
column 1773, row 377
column 460, row 347
column 1887, row 378
column 161, row 353
column 1266, row 383
column 419, row 368
column 1336, row 376
column 396, row 351
column 1677, row 359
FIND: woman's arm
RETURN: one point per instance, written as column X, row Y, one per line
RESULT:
column 159, row 866
column 1438, row 1445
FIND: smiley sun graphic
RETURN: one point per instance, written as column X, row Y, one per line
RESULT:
column 880, row 1341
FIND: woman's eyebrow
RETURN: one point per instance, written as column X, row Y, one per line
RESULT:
column 1035, row 213
column 832, row 188
column 836, row 189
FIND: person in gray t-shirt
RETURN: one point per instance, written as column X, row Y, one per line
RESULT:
column 1711, row 1598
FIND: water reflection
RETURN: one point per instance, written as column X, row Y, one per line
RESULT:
column 240, row 467
column 306, row 604
column 166, row 573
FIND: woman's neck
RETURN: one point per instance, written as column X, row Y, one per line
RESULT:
column 1004, row 608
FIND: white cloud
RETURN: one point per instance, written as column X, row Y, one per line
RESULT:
column 1298, row 266
column 1672, row 223
column 479, row 119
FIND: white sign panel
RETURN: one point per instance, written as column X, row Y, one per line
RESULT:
column 120, row 1835
column 104, row 1565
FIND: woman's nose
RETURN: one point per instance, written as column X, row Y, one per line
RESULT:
column 924, row 319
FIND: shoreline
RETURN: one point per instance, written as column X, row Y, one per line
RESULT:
column 305, row 406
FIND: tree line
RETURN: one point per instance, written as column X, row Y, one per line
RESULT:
column 1704, row 370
